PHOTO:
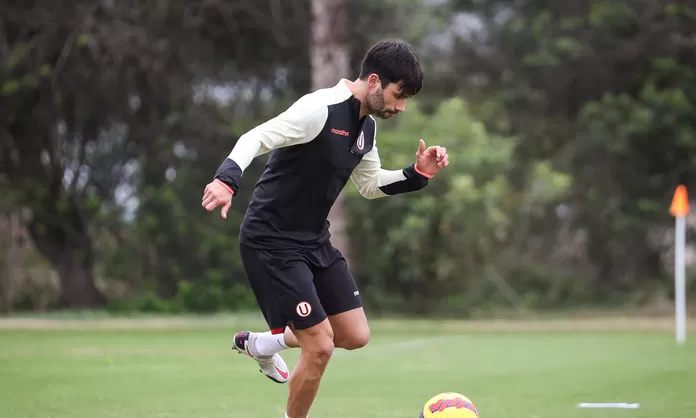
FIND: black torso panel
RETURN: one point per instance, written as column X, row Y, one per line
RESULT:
column 293, row 197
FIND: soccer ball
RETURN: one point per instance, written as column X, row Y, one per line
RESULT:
column 449, row 405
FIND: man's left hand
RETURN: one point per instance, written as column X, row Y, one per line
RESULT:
column 431, row 159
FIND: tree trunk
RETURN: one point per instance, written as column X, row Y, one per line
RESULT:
column 63, row 238
column 330, row 50
column 77, row 281
column 331, row 61
column 11, row 255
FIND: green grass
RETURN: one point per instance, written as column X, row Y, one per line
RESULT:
column 184, row 368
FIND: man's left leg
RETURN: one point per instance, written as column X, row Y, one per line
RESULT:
column 351, row 331
column 340, row 298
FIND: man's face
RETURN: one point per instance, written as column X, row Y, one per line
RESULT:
column 385, row 102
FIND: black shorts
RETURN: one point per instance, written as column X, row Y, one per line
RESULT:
column 301, row 287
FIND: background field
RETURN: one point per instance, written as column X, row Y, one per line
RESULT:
column 183, row 367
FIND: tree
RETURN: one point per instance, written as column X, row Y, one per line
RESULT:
column 460, row 242
column 330, row 61
column 604, row 90
column 91, row 94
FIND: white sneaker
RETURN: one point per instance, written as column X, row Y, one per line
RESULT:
column 273, row 367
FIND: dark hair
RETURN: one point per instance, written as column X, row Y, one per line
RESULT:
column 394, row 61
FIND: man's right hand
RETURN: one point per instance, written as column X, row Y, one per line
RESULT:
column 217, row 193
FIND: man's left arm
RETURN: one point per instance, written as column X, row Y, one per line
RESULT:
column 372, row 181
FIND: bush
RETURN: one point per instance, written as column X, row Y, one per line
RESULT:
column 456, row 244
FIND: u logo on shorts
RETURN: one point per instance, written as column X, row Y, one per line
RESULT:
column 303, row 309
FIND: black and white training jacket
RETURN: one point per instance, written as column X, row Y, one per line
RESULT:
column 316, row 145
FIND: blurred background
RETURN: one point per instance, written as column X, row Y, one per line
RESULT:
column 568, row 124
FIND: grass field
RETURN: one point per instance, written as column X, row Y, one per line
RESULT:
column 184, row 368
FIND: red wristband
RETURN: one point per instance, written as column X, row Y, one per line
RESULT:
column 415, row 167
column 229, row 189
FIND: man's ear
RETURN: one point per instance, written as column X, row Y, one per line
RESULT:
column 373, row 81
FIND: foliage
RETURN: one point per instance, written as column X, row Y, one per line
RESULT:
column 442, row 249
column 96, row 98
column 605, row 92
column 577, row 124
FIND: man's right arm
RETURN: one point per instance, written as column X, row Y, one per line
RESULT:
column 299, row 124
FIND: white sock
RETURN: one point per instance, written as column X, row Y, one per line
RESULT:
column 286, row 415
column 266, row 344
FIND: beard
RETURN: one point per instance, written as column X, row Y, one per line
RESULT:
column 376, row 107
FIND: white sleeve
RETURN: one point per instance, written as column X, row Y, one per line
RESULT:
column 372, row 181
column 299, row 124
column 369, row 176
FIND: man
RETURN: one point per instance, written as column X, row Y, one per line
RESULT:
column 302, row 284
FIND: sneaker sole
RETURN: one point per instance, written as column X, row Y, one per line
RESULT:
column 261, row 371
column 272, row 379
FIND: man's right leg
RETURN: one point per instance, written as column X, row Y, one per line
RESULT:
column 297, row 300
column 316, row 343
column 284, row 287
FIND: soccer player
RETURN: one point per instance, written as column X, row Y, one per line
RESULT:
column 301, row 282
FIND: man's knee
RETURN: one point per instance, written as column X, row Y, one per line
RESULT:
column 351, row 328
column 357, row 338
column 320, row 348
column 320, row 351
column 317, row 343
